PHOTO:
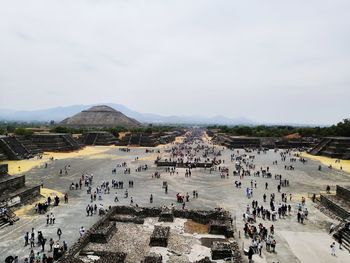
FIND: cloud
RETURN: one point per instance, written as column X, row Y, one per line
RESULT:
column 268, row 61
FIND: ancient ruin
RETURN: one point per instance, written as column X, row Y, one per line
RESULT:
column 100, row 117
column 133, row 242
column 335, row 147
column 13, row 193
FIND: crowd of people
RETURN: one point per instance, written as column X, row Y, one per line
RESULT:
column 259, row 217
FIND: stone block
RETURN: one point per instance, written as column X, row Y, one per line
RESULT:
column 160, row 236
column 221, row 250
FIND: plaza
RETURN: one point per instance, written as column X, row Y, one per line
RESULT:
column 308, row 242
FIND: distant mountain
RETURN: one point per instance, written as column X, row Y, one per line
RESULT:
column 60, row 113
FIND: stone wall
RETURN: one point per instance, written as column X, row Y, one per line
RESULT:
column 4, row 168
column 183, row 165
column 71, row 254
column 114, row 213
column 103, row 233
column 29, row 194
column 343, row 192
column 198, row 216
column 339, row 211
column 12, row 183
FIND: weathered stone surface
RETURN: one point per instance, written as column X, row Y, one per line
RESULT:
column 100, row 116
column 103, row 233
column 221, row 227
column 205, row 260
column 153, row 258
column 128, row 219
column 221, row 250
column 166, row 215
column 109, row 257
column 159, row 237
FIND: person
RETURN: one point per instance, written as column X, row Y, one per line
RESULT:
column 82, row 231
column 31, row 256
column 151, row 199
column 26, row 239
column 38, row 257
column 333, row 249
column 65, row 245
column 259, row 248
column 273, row 245
column 59, row 233
column 250, row 254
column 56, row 249
column 32, row 240
column 43, row 241
column 116, row 197
column 51, row 243
column 340, row 239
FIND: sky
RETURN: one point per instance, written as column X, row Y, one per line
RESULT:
column 268, row 61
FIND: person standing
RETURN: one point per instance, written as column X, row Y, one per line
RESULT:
column 26, row 239
column 81, row 231
column 32, row 240
column 333, row 249
column 43, row 242
column 51, row 243
column 59, row 233
column 65, row 246
column 250, row 254
column 340, row 239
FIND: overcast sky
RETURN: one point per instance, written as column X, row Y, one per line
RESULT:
column 268, row 61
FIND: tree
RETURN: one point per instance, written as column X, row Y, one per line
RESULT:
column 23, row 132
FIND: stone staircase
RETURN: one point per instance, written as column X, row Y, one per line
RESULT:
column 8, row 218
column 98, row 138
column 14, row 149
column 344, row 230
column 90, row 138
column 3, row 155
column 73, row 143
column 319, row 147
column 134, row 139
column 55, row 142
column 29, row 145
